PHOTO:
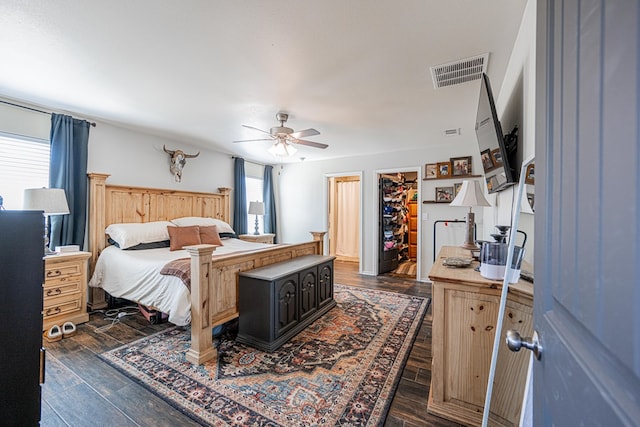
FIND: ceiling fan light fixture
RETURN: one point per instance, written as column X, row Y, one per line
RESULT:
column 282, row 149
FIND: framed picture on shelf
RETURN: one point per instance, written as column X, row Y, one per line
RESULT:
column 529, row 177
column 431, row 170
column 460, row 165
column 444, row 194
column 456, row 188
column 496, row 156
column 492, row 182
column 487, row 161
column 444, row 169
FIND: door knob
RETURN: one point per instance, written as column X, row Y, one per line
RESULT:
column 515, row 342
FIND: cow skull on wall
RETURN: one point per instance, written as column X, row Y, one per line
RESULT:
column 178, row 158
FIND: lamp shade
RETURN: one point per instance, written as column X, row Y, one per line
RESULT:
column 470, row 194
column 52, row 201
column 282, row 149
column 256, row 208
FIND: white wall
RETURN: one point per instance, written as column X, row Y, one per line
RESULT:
column 137, row 159
column 22, row 122
column 303, row 196
column 515, row 104
column 131, row 157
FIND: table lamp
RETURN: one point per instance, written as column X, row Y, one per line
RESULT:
column 52, row 201
column 256, row 208
column 470, row 195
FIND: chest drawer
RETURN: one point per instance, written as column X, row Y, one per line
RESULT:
column 62, row 305
column 64, row 286
column 61, row 272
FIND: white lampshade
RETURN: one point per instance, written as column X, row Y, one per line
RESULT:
column 470, row 194
column 282, row 149
column 50, row 200
column 256, row 208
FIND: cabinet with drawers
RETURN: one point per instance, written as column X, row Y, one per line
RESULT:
column 465, row 314
column 65, row 289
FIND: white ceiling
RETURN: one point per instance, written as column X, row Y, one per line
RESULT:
column 358, row 71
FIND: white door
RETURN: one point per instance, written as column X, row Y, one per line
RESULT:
column 587, row 220
column 343, row 211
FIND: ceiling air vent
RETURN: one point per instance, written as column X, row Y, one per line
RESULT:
column 464, row 70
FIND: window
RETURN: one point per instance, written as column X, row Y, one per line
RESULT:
column 24, row 163
column 254, row 193
column 253, row 180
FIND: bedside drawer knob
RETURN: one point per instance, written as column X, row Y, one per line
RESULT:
column 56, row 291
column 55, row 273
column 52, row 311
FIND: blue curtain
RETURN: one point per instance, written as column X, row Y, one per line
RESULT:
column 239, row 197
column 68, row 170
column 269, row 202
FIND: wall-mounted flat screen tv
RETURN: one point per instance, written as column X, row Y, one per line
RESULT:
column 493, row 152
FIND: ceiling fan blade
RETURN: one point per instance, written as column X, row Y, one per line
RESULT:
column 259, row 130
column 309, row 143
column 252, row 140
column 305, row 133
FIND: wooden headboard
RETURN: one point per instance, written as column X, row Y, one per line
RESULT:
column 111, row 204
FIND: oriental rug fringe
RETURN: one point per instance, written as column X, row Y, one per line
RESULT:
column 341, row 370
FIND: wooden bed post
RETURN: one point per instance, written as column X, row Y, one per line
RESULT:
column 201, row 348
column 318, row 236
column 226, row 205
column 97, row 201
column 96, row 298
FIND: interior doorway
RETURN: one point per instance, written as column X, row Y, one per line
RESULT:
column 398, row 223
column 344, row 221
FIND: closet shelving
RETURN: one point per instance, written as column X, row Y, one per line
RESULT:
column 394, row 229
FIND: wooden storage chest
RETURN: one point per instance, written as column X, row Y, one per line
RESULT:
column 280, row 300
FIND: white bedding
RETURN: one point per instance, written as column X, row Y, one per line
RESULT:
column 134, row 275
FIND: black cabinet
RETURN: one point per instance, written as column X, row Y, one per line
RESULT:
column 22, row 268
column 278, row 301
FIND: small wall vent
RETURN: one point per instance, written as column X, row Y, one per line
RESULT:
column 462, row 71
column 452, row 132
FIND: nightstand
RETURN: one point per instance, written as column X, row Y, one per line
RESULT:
column 65, row 289
column 258, row 238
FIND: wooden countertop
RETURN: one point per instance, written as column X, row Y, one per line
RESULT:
column 442, row 273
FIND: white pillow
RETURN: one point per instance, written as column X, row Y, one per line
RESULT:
column 223, row 227
column 133, row 233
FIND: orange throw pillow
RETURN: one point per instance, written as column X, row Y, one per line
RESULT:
column 209, row 235
column 183, row 236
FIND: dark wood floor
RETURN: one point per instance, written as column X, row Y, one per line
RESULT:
column 82, row 390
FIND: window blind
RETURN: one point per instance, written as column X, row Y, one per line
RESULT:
column 24, row 163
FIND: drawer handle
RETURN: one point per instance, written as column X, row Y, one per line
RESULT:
column 56, row 291
column 52, row 311
column 54, row 273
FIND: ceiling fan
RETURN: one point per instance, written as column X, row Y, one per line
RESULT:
column 285, row 137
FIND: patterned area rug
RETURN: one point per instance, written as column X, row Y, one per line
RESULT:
column 341, row 370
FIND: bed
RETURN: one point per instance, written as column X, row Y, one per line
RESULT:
column 212, row 299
